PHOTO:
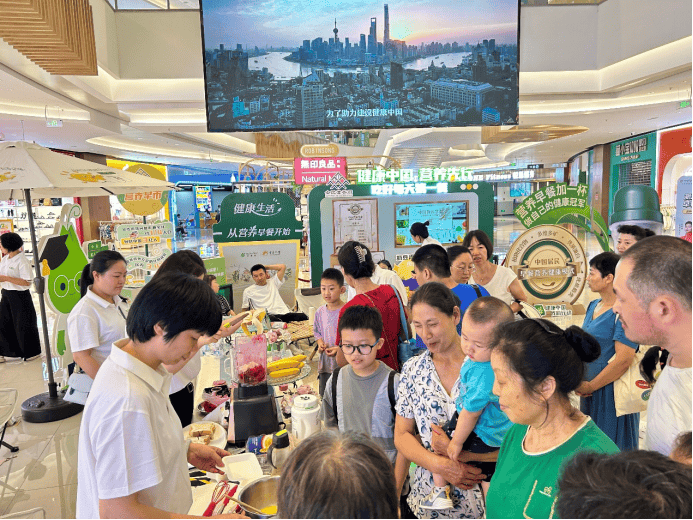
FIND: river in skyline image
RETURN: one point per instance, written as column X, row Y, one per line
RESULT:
column 284, row 70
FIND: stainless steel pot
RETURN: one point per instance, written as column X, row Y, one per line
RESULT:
column 260, row 493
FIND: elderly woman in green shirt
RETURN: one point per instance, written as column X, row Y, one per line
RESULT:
column 536, row 365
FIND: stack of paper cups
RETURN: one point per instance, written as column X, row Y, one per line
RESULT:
column 311, row 315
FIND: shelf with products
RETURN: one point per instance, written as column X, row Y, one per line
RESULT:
column 46, row 213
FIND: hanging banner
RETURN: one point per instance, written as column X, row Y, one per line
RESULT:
column 249, row 217
column 563, row 204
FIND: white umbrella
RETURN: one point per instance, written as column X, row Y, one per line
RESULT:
column 50, row 174
column 26, row 169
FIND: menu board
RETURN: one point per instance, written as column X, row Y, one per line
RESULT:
column 448, row 221
column 356, row 219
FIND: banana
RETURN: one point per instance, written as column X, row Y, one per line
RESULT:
column 254, row 317
column 277, row 374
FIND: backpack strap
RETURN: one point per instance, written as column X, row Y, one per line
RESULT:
column 476, row 288
column 391, row 391
column 335, row 374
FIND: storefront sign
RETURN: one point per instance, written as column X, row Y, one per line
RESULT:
column 318, row 170
column 505, row 176
column 319, row 150
column 138, row 234
column 563, row 204
column 550, row 263
column 257, row 217
column 631, row 147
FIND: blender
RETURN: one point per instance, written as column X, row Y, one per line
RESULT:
column 254, row 409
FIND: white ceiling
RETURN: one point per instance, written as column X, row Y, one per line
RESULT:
column 164, row 120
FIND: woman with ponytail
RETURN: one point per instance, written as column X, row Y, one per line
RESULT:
column 98, row 319
column 419, row 234
column 536, row 365
column 357, row 263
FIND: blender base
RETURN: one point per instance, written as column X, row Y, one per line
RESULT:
column 253, row 415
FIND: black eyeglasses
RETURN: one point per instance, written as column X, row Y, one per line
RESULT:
column 544, row 326
column 364, row 350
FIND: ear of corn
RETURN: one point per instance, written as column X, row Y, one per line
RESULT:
column 277, row 374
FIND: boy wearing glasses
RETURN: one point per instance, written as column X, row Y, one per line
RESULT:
column 361, row 396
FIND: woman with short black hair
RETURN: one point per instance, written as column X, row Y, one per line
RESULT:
column 133, row 459
column 597, row 390
column 19, row 337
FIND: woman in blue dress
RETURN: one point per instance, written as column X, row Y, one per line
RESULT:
column 597, row 390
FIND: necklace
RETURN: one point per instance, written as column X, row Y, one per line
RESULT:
column 482, row 278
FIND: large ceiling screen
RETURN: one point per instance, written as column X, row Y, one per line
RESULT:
column 328, row 64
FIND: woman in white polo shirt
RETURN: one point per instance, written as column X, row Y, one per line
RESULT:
column 19, row 335
column 98, row 319
column 132, row 457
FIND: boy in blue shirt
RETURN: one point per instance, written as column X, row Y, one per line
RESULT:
column 481, row 424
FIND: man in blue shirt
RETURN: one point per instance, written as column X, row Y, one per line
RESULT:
column 431, row 264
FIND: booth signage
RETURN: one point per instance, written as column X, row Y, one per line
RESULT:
column 92, row 247
column 318, row 170
column 257, row 217
column 217, row 267
column 147, row 263
column 146, row 202
column 550, row 263
column 452, row 174
column 138, row 234
column 563, row 204
column 418, row 188
column 319, row 150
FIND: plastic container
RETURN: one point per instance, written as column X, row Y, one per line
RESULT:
column 242, row 468
column 305, row 416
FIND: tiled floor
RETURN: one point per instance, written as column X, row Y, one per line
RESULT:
column 44, row 473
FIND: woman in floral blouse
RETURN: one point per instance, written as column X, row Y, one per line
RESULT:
column 428, row 387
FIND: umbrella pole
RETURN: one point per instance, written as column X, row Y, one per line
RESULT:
column 46, row 407
column 40, row 286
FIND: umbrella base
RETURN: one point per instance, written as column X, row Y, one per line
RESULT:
column 43, row 408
